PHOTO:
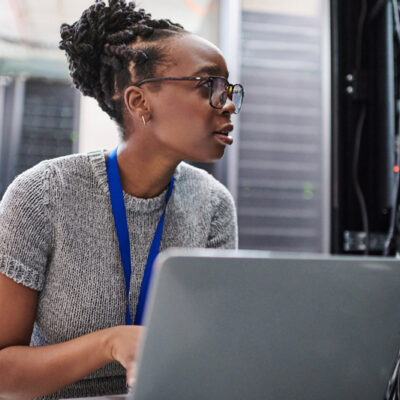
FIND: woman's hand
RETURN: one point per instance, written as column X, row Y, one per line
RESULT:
column 28, row 372
column 123, row 346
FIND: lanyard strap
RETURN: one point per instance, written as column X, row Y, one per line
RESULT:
column 121, row 226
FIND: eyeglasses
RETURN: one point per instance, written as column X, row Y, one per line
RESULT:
column 219, row 89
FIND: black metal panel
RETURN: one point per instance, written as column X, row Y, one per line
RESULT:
column 363, row 80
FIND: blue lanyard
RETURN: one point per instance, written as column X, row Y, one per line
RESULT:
column 121, row 226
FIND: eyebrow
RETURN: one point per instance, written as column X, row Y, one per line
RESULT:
column 212, row 70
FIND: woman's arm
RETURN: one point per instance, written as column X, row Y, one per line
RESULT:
column 27, row 372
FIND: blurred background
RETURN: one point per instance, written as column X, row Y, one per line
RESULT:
column 293, row 169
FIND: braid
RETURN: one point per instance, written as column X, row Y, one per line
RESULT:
column 99, row 52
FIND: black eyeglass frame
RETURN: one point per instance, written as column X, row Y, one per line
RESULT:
column 230, row 87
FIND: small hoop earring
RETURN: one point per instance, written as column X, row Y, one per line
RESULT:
column 144, row 121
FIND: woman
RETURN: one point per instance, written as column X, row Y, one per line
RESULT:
column 62, row 285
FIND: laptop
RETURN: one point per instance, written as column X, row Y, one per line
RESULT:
column 244, row 325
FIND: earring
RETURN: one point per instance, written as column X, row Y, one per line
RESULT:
column 144, row 121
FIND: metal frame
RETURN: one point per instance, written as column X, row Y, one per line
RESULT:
column 4, row 82
column 12, row 90
column 230, row 45
column 16, row 125
column 76, row 123
column 326, row 124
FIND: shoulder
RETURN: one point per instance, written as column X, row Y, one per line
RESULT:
column 65, row 164
column 74, row 171
column 199, row 178
column 28, row 185
column 47, row 176
column 78, row 165
column 196, row 180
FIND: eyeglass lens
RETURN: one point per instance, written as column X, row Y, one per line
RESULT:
column 219, row 94
column 237, row 97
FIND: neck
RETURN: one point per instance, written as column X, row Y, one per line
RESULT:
column 143, row 174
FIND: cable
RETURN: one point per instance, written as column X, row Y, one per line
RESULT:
column 360, row 126
column 360, row 30
column 376, row 9
column 396, row 193
column 395, row 198
column 396, row 19
column 360, row 196
column 390, row 236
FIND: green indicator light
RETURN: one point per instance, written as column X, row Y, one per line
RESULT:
column 308, row 191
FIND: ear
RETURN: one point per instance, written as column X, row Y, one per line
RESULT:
column 135, row 101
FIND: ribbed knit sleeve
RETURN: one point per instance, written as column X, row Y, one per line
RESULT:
column 25, row 231
column 223, row 230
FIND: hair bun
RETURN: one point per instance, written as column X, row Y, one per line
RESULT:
column 124, row 54
column 99, row 49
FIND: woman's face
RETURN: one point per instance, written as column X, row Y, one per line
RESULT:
column 182, row 121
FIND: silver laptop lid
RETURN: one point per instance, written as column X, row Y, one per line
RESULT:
column 235, row 325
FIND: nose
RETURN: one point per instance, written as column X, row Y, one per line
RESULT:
column 229, row 106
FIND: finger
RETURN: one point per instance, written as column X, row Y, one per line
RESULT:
column 131, row 374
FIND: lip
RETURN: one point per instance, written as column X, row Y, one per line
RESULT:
column 224, row 130
column 223, row 139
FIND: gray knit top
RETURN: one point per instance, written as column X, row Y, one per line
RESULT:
column 57, row 236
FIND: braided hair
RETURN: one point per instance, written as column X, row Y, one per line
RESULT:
column 109, row 41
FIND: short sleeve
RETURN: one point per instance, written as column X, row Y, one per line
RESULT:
column 223, row 230
column 25, row 232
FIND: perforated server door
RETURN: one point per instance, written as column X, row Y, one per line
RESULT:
column 280, row 179
column 40, row 121
column 49, row 123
